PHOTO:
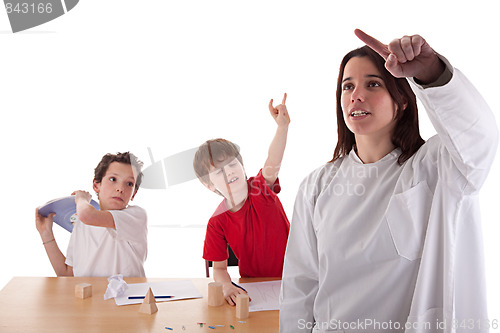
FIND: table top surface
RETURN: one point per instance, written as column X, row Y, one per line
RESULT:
column 48, row 304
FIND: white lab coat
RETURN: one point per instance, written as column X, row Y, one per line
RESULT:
column 383, row 247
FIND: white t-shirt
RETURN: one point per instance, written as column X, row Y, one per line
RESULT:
column 99, row 251
column 383, row 247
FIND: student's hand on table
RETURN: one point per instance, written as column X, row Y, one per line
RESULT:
column 280, row 113
column 230, row 292
column 82, row 195
column 409, row 56
column 44, row 225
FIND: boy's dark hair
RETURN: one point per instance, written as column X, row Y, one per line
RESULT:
column 210, row 153
column 126, row 158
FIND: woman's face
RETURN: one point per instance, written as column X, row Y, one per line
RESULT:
column 367, row 106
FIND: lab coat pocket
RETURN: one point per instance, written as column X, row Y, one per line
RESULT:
column 407, row 217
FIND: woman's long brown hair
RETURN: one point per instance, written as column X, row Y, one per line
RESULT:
column 406, row 134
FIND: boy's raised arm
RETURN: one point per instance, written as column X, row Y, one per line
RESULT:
column 277, row 148
column 89, row 215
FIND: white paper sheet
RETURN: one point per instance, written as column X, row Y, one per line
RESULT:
column 265, row 295
column 183, row 289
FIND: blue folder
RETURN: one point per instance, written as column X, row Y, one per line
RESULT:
column 64, row 208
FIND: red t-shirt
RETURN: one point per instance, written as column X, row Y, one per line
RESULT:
column 257, row 232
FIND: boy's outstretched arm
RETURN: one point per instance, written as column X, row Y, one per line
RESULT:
column 277, row 148
column 88, row 214
column 57, row 259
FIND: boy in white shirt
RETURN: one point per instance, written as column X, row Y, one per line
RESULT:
column 109, row 241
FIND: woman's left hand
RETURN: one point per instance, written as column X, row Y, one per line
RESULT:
column 409, row 56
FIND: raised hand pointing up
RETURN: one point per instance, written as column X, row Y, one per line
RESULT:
column 280, row 113
column 409, row 56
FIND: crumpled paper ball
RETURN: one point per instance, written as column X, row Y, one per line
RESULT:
column 116, row 287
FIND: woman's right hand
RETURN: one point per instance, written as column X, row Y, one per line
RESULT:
column 409, row 56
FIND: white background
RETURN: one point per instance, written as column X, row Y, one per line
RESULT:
column 121, row 75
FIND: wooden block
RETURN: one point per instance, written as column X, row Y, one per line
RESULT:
column 149, row 304
column 242, row 305
column 215, row 294
column 83, row 290
column 148, row 308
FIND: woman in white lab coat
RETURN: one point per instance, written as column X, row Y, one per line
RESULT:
column 386, row 237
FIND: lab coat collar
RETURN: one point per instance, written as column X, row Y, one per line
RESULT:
column 394, row 154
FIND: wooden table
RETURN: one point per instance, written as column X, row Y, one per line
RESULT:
column 48, row 304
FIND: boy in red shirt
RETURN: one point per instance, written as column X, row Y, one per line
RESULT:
column 251, row 218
